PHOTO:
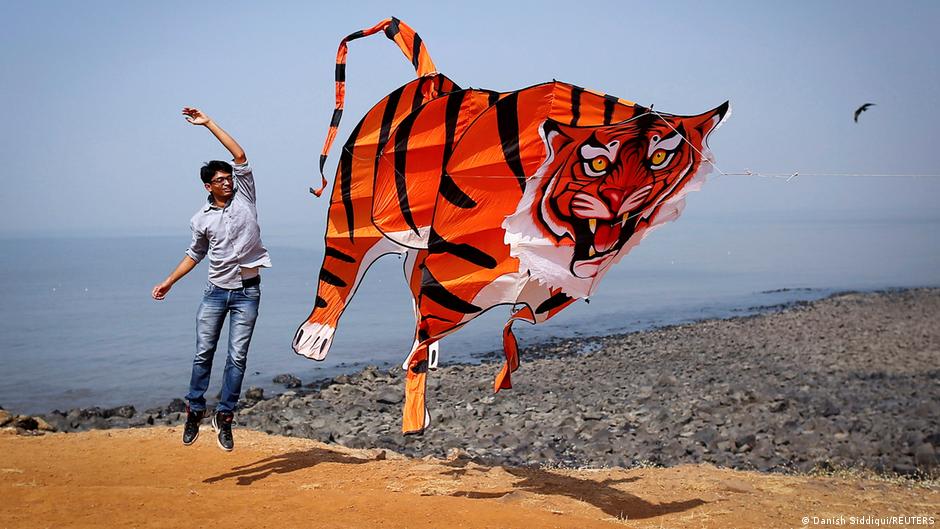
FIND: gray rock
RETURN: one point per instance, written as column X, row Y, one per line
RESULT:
column 389, row 397
column 176, row 406
column 747, row 439
column 369, row 373
column 593, row 416
column 25, row 422
column 254, row 394
column 925, row 456
column 288, row 380
column 706, row 435
column 126, row 412
column 905, row 469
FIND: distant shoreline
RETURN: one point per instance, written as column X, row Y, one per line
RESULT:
column 531, row 346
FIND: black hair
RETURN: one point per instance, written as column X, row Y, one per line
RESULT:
column 210, row 168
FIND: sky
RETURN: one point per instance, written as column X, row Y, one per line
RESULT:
column 92, row 141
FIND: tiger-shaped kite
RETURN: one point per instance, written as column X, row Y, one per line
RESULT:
column 525, row 198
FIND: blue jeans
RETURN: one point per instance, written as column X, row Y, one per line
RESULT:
column 242, row 307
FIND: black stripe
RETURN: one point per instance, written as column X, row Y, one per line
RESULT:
column 446, row 85
column 576, row 92
column 453, row 194
column 436, row 292
column 387, row 117
column 345, row 178
column 341, row 72
column 416, row 51
column 451, row 113
column 418, row 98
column 322, row 162
column 392, row 28
column 494, row 97
column 355, row 35
column 336, row 254
column 330, row 278
column 320, row 303
column 401, row 154
column 437, row 244
column 553, row 302
column 609, row 103
column 337, row 115
column 507, row 121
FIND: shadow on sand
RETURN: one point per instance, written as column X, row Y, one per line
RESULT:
column 601, row 494
column 284, row 464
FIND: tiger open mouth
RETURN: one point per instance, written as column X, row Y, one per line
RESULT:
column 597, row 240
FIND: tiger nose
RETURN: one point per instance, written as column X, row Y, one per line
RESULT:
column 613, row 196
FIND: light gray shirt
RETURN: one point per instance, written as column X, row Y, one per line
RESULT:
column 230, row 236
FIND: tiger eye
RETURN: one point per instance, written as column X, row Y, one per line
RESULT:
column 658, row 157
column 599, row 163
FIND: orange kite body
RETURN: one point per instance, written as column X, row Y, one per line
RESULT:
column 523, row 198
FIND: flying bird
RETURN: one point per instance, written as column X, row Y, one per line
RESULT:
column 861, row 109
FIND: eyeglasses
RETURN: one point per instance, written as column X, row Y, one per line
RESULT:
column 221, row 180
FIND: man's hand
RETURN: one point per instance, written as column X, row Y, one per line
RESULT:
column 160, row 291
column 195, row 116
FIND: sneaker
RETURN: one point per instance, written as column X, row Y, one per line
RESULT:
column 222, row 423
column 191, row 429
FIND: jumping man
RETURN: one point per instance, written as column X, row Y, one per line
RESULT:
column 226, row 229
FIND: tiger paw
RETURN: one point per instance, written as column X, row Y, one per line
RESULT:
column 313, row 340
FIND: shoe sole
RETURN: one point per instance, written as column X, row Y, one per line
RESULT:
column 194, row 438
column 197, row 431
column 215, row 428
column 191, row 442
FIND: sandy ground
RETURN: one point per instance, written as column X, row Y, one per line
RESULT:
column 146, row 478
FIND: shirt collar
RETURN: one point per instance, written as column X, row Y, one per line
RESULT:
column 210, row 204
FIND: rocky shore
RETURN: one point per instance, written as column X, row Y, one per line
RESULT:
column 850, row 381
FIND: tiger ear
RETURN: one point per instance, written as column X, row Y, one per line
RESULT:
column 555, row 135
column 709, row 121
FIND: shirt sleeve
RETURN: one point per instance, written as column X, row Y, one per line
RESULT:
column 244, row 181
column 200, row 246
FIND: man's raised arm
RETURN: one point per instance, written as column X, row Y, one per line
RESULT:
column 198, row 117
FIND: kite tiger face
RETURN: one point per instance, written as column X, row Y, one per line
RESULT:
column 600, row 182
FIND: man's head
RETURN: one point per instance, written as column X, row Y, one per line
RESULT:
column 217, row 177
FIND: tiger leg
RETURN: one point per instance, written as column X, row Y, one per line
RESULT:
column 344, row 264
column 511, row 351
column 412, row 268
column 535, row 304
column 434, row 322
column 415, row 415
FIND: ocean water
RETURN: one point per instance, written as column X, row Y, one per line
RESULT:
column 78, row 327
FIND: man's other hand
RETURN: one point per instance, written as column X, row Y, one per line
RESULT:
column 160, row 291
column 195, row 116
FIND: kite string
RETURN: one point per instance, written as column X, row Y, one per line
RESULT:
column 743, row 172
column 787, row 176
column 711, row 161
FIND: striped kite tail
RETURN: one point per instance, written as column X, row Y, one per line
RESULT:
column 411, row 45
